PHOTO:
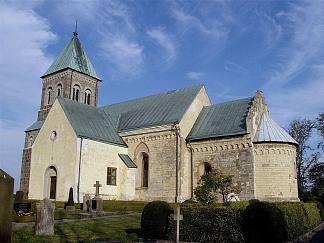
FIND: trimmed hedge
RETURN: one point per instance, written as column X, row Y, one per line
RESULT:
column 277, row 222
column 114, row 205
column 264, row 222
column 208, row 224
column 155, row 220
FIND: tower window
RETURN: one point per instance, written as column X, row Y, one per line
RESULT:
column 207, row 168
column 76, row 93
column 59, row 90
column 49, row 95
column 87, row 97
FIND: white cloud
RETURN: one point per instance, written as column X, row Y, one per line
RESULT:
column 165, row 41
column 211, row 28
column 23, row 59
column 195, row 75
column 288, row 96
column 234, row 67
column 127, row 56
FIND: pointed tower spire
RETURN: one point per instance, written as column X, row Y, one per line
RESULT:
column 74, row 57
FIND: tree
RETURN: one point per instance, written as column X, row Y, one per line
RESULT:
column 316, row 178
column 213, row 184
column 319, row 124
column 301, row 131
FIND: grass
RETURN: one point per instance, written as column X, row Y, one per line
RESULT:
column 122, row 229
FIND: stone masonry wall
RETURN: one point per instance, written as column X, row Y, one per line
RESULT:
column 162, row 164
column 233, row 156
column 26, row 158
column 275, row 172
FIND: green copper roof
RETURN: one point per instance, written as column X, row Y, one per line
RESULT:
column 154, row 110
column 90, row 122
column 127, row 160
column 225, row 119
column 74, row 57
column 35, row 126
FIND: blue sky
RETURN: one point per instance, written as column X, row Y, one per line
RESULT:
column 143, row 47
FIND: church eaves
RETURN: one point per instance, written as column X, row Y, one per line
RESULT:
column 220, row 120
column 74, row 57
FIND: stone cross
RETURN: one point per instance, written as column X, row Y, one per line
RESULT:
column 177, row 217
column 97, row 185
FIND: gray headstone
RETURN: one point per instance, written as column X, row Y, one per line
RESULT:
column 6, row 205
column 44, row 224
column 86, row 202
column 19, row 197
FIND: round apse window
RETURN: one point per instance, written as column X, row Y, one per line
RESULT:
column 53, row 135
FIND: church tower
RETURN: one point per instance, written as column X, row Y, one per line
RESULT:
column 72, row 76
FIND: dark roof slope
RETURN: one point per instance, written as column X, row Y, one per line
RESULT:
column 90, row 122
column 127, row 160
column 154, row 110
column 35, row 126
column 225, row 119
column 73, row 56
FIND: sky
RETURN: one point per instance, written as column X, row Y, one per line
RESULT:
column 142, row 47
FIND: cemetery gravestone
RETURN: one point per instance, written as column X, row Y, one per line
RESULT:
column 21, row 208
column 44, row 224
column 6, row 200
column 86, row 202
column 69, row 206
column 97, row 202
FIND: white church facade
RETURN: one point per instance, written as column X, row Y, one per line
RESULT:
column 150, row 148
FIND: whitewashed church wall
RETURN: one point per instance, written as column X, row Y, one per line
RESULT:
column 96, row 157
column 60, row 153
column 275, row 172
column 193, row 111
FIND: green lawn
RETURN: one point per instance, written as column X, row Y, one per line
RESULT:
column 120, row 229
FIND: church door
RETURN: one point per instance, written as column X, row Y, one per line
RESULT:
column 53, row 187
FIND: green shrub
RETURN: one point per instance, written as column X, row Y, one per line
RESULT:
column 241, row 205
column 295, row 217
column 208, row 224
column 321, row 209
column 263, row 222
column 155, row 220
column 114, row 205
column 313, row 215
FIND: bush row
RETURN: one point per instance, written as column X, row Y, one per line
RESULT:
column 114, row 205
column 240, row 221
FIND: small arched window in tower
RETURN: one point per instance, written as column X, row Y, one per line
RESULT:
column 59, row 89
column 87, row 97
column 31, row 140
column 76, row 93
column 207, row 168
column 49, row 95
column 145, row 169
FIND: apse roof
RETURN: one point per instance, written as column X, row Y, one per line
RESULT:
column 154, row 110
column 270, row 131
column 224, row 119
column 73, row 56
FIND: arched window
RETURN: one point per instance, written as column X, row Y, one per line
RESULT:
column 49, row 95
column 31, row 140
column 87, row 97
column 59, row 89
column 207, row 168
column 145, row 170
column 76, row 93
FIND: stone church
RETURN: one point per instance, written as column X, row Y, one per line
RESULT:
column 151, row 148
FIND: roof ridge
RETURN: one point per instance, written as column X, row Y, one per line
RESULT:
column 157, row 94
column 230, row 101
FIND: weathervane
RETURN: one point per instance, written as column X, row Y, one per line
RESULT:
column 76, row 28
